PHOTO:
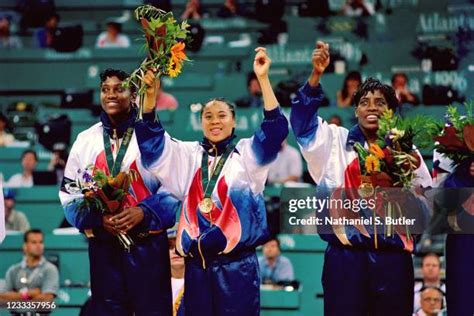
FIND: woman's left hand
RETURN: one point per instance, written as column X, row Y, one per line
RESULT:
column 128, row 218
column 261, row 64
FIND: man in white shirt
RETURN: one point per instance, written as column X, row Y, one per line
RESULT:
column 29, row 160
column 431, row 301
column 431, row 271
column 288, row 167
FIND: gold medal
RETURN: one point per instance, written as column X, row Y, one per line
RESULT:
column 366, row 189
column 205, row 206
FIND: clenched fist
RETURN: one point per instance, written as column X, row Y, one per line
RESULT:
column 320, row 58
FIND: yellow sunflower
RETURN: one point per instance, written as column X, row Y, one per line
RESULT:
column 174, row 69
column 372, row 164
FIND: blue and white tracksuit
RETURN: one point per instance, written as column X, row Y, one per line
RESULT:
column 459, row 244
column 222, row 276
column 358, row 279
column 123, row 283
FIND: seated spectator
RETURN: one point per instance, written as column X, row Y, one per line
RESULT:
column 431, row 272
column 34, row 278
column 29, row 160
column 6, row 39
column 232, row 8
column 113, row 37
column 177, row 274
column 5, row 138
column 431, row 301
column 355, row 8
column 45, row 35
column 400, row 85
column 165, row 101
column 14, row 220
column 274, row 267
column 351, row 83
column 287, row 167
column 254, row 98
column 336, row 120
column 193, row 10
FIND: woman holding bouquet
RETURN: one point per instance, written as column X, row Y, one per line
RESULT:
column 132, row 281
column 365, row 272
column 221, row 182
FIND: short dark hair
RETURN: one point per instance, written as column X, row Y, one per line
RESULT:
column 120, row 74
column 116, row 25
column 431, row 254
column 223, row 100
column 251, row 76
column 31, row 231
column 370, row 85
column 399, row 74
column 274, row 238
column 29, row 151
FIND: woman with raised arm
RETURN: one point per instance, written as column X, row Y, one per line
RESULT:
column 221, row 182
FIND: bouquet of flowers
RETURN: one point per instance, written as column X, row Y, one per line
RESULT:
column 103, row 193
column 164, row 43
column 455, row 140
column 391, row 162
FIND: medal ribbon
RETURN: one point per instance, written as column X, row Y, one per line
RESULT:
column 114, row 165
column 210, row 184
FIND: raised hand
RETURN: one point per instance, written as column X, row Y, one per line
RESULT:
column 320, row 58
column 152, row 89
column 261, row 63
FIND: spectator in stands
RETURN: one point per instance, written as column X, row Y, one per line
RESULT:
column 177, row 273
column 29, row 160
column 193, row 10
column 113, row 37
column 165, row 101
column 254, row 98
column 431, row 301
column 274, row 267
column 45, row 35
column 400, row 85
column 351, row 83
column 58, row 163
column 232, row 8
column 336, row 120
column 6, row 39
column 431, row 271
column 288, row 166
column 355, row 8
column 34, row 278
column 5, row 137
column 14, row 220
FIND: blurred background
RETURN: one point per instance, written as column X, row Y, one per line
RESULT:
column 52, row 52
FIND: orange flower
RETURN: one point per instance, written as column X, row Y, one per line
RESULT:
column 177, row 53
column 377, row 151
